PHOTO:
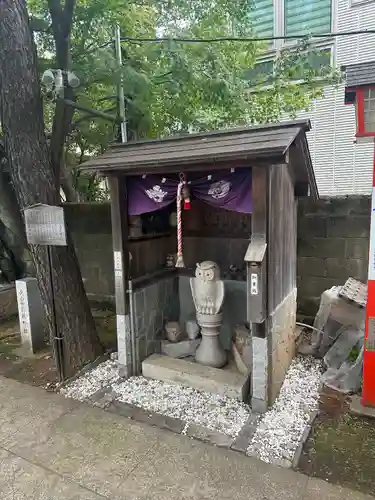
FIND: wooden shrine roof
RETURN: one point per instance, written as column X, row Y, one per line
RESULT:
column 266, row 144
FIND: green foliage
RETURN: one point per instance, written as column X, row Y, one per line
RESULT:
column 170, row 86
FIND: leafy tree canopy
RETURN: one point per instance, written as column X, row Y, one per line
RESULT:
column 172, row 86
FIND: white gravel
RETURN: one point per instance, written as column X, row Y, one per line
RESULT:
column 85, row 386
column 280, row 430
column 218, row 413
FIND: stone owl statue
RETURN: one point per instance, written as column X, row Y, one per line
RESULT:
column 207, row 288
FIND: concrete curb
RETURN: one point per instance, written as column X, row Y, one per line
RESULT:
column 305, row 437
column 82, row 371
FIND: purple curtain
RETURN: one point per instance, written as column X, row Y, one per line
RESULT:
column 229, row 189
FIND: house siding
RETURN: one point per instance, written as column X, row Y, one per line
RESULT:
column 343, row 167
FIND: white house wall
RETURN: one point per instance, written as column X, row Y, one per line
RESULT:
column 341, row 166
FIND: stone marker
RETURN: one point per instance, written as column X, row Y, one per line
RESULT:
column 30, row 312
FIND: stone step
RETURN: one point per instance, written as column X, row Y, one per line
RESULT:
column 190, row 374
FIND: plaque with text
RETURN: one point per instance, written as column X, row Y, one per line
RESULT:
column 45, row 225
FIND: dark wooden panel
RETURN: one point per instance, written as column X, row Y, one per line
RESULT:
column 282, row 236
column 256, row 311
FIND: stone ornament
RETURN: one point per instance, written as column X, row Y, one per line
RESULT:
column 208, row 296
column 173, row 331
column 207, row 288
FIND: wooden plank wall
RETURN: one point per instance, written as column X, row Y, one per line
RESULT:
column 282, row 244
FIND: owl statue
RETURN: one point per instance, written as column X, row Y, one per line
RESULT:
column 207, row 288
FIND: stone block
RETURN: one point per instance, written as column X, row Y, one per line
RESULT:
column 189, row 374
column 353, row 205
column 322, row 247
column 260, row 368
column 342, row 269
column 356, row 248
column 147, row 417
column 181, row 349
column 8, row 301
column 314, row 286
column 311, row 266
column 31, row 315
column 312, row 226
column 348, row 227
column 209, row 436
column 282, row 345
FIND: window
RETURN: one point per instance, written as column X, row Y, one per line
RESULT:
column 369, row 110
column 307, row 16
column 263, row 72
column 353, row 3
column 290, row 17
column 262, row 17
column 365, row 108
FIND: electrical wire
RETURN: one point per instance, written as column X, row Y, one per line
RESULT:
column 245, row 39
column 130, row 39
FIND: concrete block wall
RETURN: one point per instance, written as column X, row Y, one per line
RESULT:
column 90, row 226
column 333, row 239
column 154, row 304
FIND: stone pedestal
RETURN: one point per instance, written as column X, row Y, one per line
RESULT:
column 31, row 315
column 182, row 349
column 210, row 352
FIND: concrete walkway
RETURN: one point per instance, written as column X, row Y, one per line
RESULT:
column 53, row 448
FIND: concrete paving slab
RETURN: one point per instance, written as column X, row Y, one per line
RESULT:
column 179, row 468
column 95, row 449
column 22, row 480
column 28, row 414
column 317, row 489
column 88, row 454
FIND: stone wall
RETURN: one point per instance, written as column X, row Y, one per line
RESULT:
column 333, row 239
column 154, row 304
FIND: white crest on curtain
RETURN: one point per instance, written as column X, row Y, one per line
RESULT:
column 219, row 189
column 156, row 194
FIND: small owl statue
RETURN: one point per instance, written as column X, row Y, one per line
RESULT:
column 207, row 288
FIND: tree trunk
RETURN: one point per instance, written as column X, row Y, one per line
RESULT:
column 35, row 181
column 66, row 183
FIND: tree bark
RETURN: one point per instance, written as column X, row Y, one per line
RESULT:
column 35, row 181
column 62, row 21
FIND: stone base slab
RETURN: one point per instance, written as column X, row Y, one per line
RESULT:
column 190, row 374
column 182, row 349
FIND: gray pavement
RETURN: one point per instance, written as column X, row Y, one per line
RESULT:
column 53, row 448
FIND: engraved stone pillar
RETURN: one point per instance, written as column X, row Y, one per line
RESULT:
column 31, row 316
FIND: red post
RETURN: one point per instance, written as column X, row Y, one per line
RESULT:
column 368, row 389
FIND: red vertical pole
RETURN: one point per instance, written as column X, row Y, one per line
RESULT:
column 368, row 389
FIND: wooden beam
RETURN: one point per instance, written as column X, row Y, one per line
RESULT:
column 119, row 218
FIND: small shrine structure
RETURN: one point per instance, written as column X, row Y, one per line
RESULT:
column 237, row 193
